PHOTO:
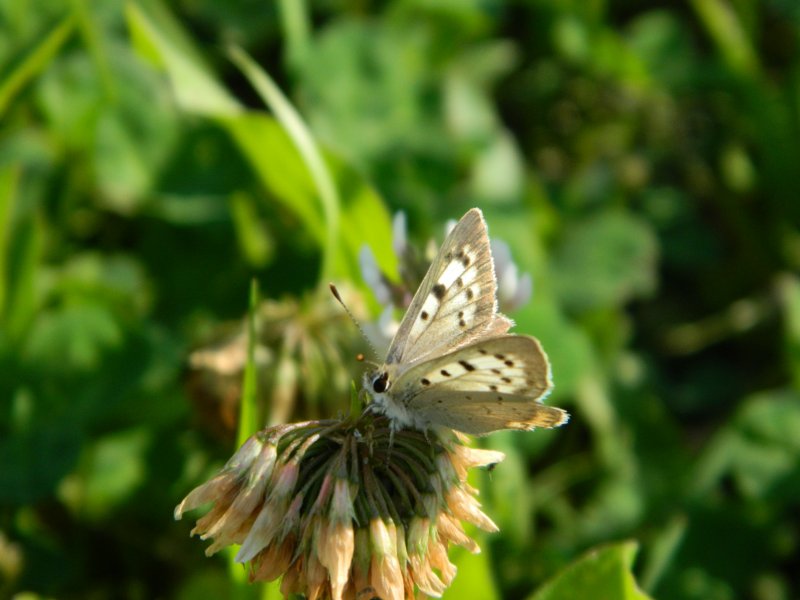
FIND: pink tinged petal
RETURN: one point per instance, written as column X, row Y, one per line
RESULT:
column 342, row 502
column 335, row 547
column 386, row 578
column 437, row 554
column 246, row 502
column 450, row 530
column 294, row 581
column 273, row 521
column 212, row 490
column 478, row 457
column 466, row 508
column 273, row 561
column 425, row 578
column 323, row 495
column 316, row 578
column 230, row 477
column 385, row 575
column 419, row 532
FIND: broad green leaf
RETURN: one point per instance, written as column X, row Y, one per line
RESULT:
column 109, row 473
column 606, row 261
column 602, row 574
column 758, row 448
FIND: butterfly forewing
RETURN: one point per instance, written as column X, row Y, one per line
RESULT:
column 455, row 302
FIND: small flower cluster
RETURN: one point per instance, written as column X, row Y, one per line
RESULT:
column 345, row 509
column 301, row 352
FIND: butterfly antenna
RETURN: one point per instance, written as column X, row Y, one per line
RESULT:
column 336, row 295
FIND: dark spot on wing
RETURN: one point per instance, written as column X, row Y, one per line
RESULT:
column 482, row 351
column 425, row 381
column 460, row 282
column 468, row 397
column 448, row 256
column 461, row 314
column 465, row 260
column 439, row 291
column 445, row 373
column 462, row 323
column 424, row 315
column 499, row 399
column 493, row 387
column 505, row 380
column 499, row 356
column 470, row 294
column 509, row 363
column 466, row 365
column 496, row 371
column 439, row 401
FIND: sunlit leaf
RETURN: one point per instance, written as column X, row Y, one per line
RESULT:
column 601, row 574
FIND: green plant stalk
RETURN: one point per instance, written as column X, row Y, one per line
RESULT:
column 35, row 62
column 727, row 32
column 92, row 39
column 248, row 424
column 299, row 133
column 9, row 179
column 294, row 20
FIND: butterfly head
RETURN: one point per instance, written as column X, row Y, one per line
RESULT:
column 377, row 382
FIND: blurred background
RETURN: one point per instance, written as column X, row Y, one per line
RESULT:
column 641, row 162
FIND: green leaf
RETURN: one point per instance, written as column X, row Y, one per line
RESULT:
column 110, row 471
column 157, row 36
column 758, row 448
column 602, row 574
column 605, row 261
column 336, row 206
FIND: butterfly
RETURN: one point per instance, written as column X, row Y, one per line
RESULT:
column 452, row 362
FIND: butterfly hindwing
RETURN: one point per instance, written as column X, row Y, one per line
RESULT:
column 491, row 384
column 480, row 413
column 456, row 300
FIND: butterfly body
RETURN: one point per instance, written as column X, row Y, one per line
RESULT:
column 451, row 362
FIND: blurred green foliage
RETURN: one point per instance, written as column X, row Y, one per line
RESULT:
column 641, row 161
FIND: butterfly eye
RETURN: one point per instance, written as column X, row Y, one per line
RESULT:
column 381, row 383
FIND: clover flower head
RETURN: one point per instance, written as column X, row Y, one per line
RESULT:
column 345, row 508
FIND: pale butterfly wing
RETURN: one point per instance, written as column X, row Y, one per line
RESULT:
column 491, row 384
column 456, row 301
